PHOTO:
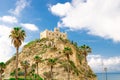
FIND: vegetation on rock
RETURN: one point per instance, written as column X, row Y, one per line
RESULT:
column 60, row 59
column 2, row 67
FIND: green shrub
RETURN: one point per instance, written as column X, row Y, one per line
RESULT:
column 44, row 39
column 12, row 74
column 39, row 78
column 12, row 79
column 30, row 43
column 74, row 68
column 80, row 57
column 15, row 79
column 21, row 73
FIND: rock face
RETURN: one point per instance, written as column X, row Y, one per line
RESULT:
column 48, row 49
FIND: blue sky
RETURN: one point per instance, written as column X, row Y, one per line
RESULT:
column 85, row 21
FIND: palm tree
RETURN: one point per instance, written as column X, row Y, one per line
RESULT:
column 32, row 71
column 85, row 50
column 67, row 52
column 25, row 64
column 37, row 60
column 51, row 62
column 17, row 35
column 2, row 67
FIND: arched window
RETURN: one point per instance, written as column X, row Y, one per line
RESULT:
column 52, row 34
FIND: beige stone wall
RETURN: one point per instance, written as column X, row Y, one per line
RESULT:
column 53, row 34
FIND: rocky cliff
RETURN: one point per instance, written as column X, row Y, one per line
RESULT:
column 48, row 49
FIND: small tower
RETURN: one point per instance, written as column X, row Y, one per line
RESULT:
column 56, row 30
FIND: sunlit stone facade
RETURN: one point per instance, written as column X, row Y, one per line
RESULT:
column 53, row 34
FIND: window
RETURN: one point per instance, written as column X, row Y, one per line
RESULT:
column 53, row 34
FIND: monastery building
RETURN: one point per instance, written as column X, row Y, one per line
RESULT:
column 53, row 34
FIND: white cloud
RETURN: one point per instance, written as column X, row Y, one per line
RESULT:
column 98, row 17
column 98, row 63
column 63, row 9
column 20, row 5
column 6, row 50
column 8, row 19
column 29, row 26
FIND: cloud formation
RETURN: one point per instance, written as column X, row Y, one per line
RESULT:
column 98, row 63
column 20, row 5
column 63, row 9
column 29, row 26
column 8, row 19
column 6, row 50
column 97, row 17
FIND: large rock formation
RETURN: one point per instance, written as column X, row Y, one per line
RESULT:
column 46, row 48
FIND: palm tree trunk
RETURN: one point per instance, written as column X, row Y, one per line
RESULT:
column 37, row 68
column 25, row 73
column 68, row 67
column 68, row 73
column 85, row 54
column 51, row 72
column 86, row 69
column 16, row 74
column 86, row 66
column 0, row 76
